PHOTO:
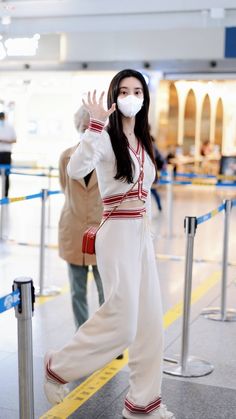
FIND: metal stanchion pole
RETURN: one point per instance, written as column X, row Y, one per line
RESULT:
column 42, row 241
column 24, row 312
column 2, row 214
column 49, row 188
column 42, row 290
column 221, row 313
column 170, row 178
column 188, row 366
column 3, row 177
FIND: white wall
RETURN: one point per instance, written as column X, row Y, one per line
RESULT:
column 147, row 45
column 47, row 101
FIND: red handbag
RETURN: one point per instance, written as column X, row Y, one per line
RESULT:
column 89, row 236
column 88, row 243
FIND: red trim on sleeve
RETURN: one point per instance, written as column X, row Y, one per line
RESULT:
column 96, row 126
column 53, row 376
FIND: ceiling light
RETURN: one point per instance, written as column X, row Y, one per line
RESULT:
column 6, row 20
column 21, row 46
column 217, row 13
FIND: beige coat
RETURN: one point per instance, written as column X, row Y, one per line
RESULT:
column 82, row 208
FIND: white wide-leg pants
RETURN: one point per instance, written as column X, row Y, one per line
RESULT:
column 130, row 317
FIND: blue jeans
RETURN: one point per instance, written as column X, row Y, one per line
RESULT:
column 156, row 195
column 78, row 284
column 5, row 158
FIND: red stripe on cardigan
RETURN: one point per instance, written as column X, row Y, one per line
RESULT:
column 125, row 213
column 113, row 199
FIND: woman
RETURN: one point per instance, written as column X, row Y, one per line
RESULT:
column 131, row 315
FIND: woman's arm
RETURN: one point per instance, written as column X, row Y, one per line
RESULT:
column 95, row 142
column 93, row 148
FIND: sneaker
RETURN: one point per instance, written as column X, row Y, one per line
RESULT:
column 54, row 390
column 161, row 413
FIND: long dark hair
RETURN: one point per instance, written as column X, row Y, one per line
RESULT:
column 141, row 129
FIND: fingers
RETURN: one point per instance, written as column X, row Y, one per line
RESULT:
column 89, row 98
column 94, row 96
column 112, row 109
column 95, row 106
column 85, row 104
column 100, row 100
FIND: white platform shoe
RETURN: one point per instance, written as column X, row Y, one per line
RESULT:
column 55, row 392
column 161, row 413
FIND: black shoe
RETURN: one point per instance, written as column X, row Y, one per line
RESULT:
column 120, row 356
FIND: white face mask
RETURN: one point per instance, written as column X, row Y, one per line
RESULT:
column 129, row 105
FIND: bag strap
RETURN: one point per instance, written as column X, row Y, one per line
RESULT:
column 126, row 193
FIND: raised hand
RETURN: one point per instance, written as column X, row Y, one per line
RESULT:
column 95, row 107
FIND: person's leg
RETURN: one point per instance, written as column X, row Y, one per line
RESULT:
column 1, row 162
column 157, row 198
column 113, row 327
column 78, row 285
column 7, row 184
column 146, row 352
column 98, row 281
column 5, row 158
column 101, row 294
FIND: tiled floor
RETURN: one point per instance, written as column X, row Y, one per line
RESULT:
column 209, row 397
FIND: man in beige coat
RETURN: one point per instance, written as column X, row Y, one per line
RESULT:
column 82, row 208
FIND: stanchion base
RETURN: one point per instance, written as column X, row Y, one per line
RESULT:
column 195, row 367
column 47, row 292
column 215, row 313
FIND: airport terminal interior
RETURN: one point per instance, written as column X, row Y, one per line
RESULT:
column 52, row 52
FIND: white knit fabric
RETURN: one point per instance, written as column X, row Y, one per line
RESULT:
column 130, row 317
column 7, row 134
column 95, row 151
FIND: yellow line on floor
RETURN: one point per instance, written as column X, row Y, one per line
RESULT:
column 41, row 299
column 97, row 380
column 64, row 290
column 86, row 390
column 176, row 311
